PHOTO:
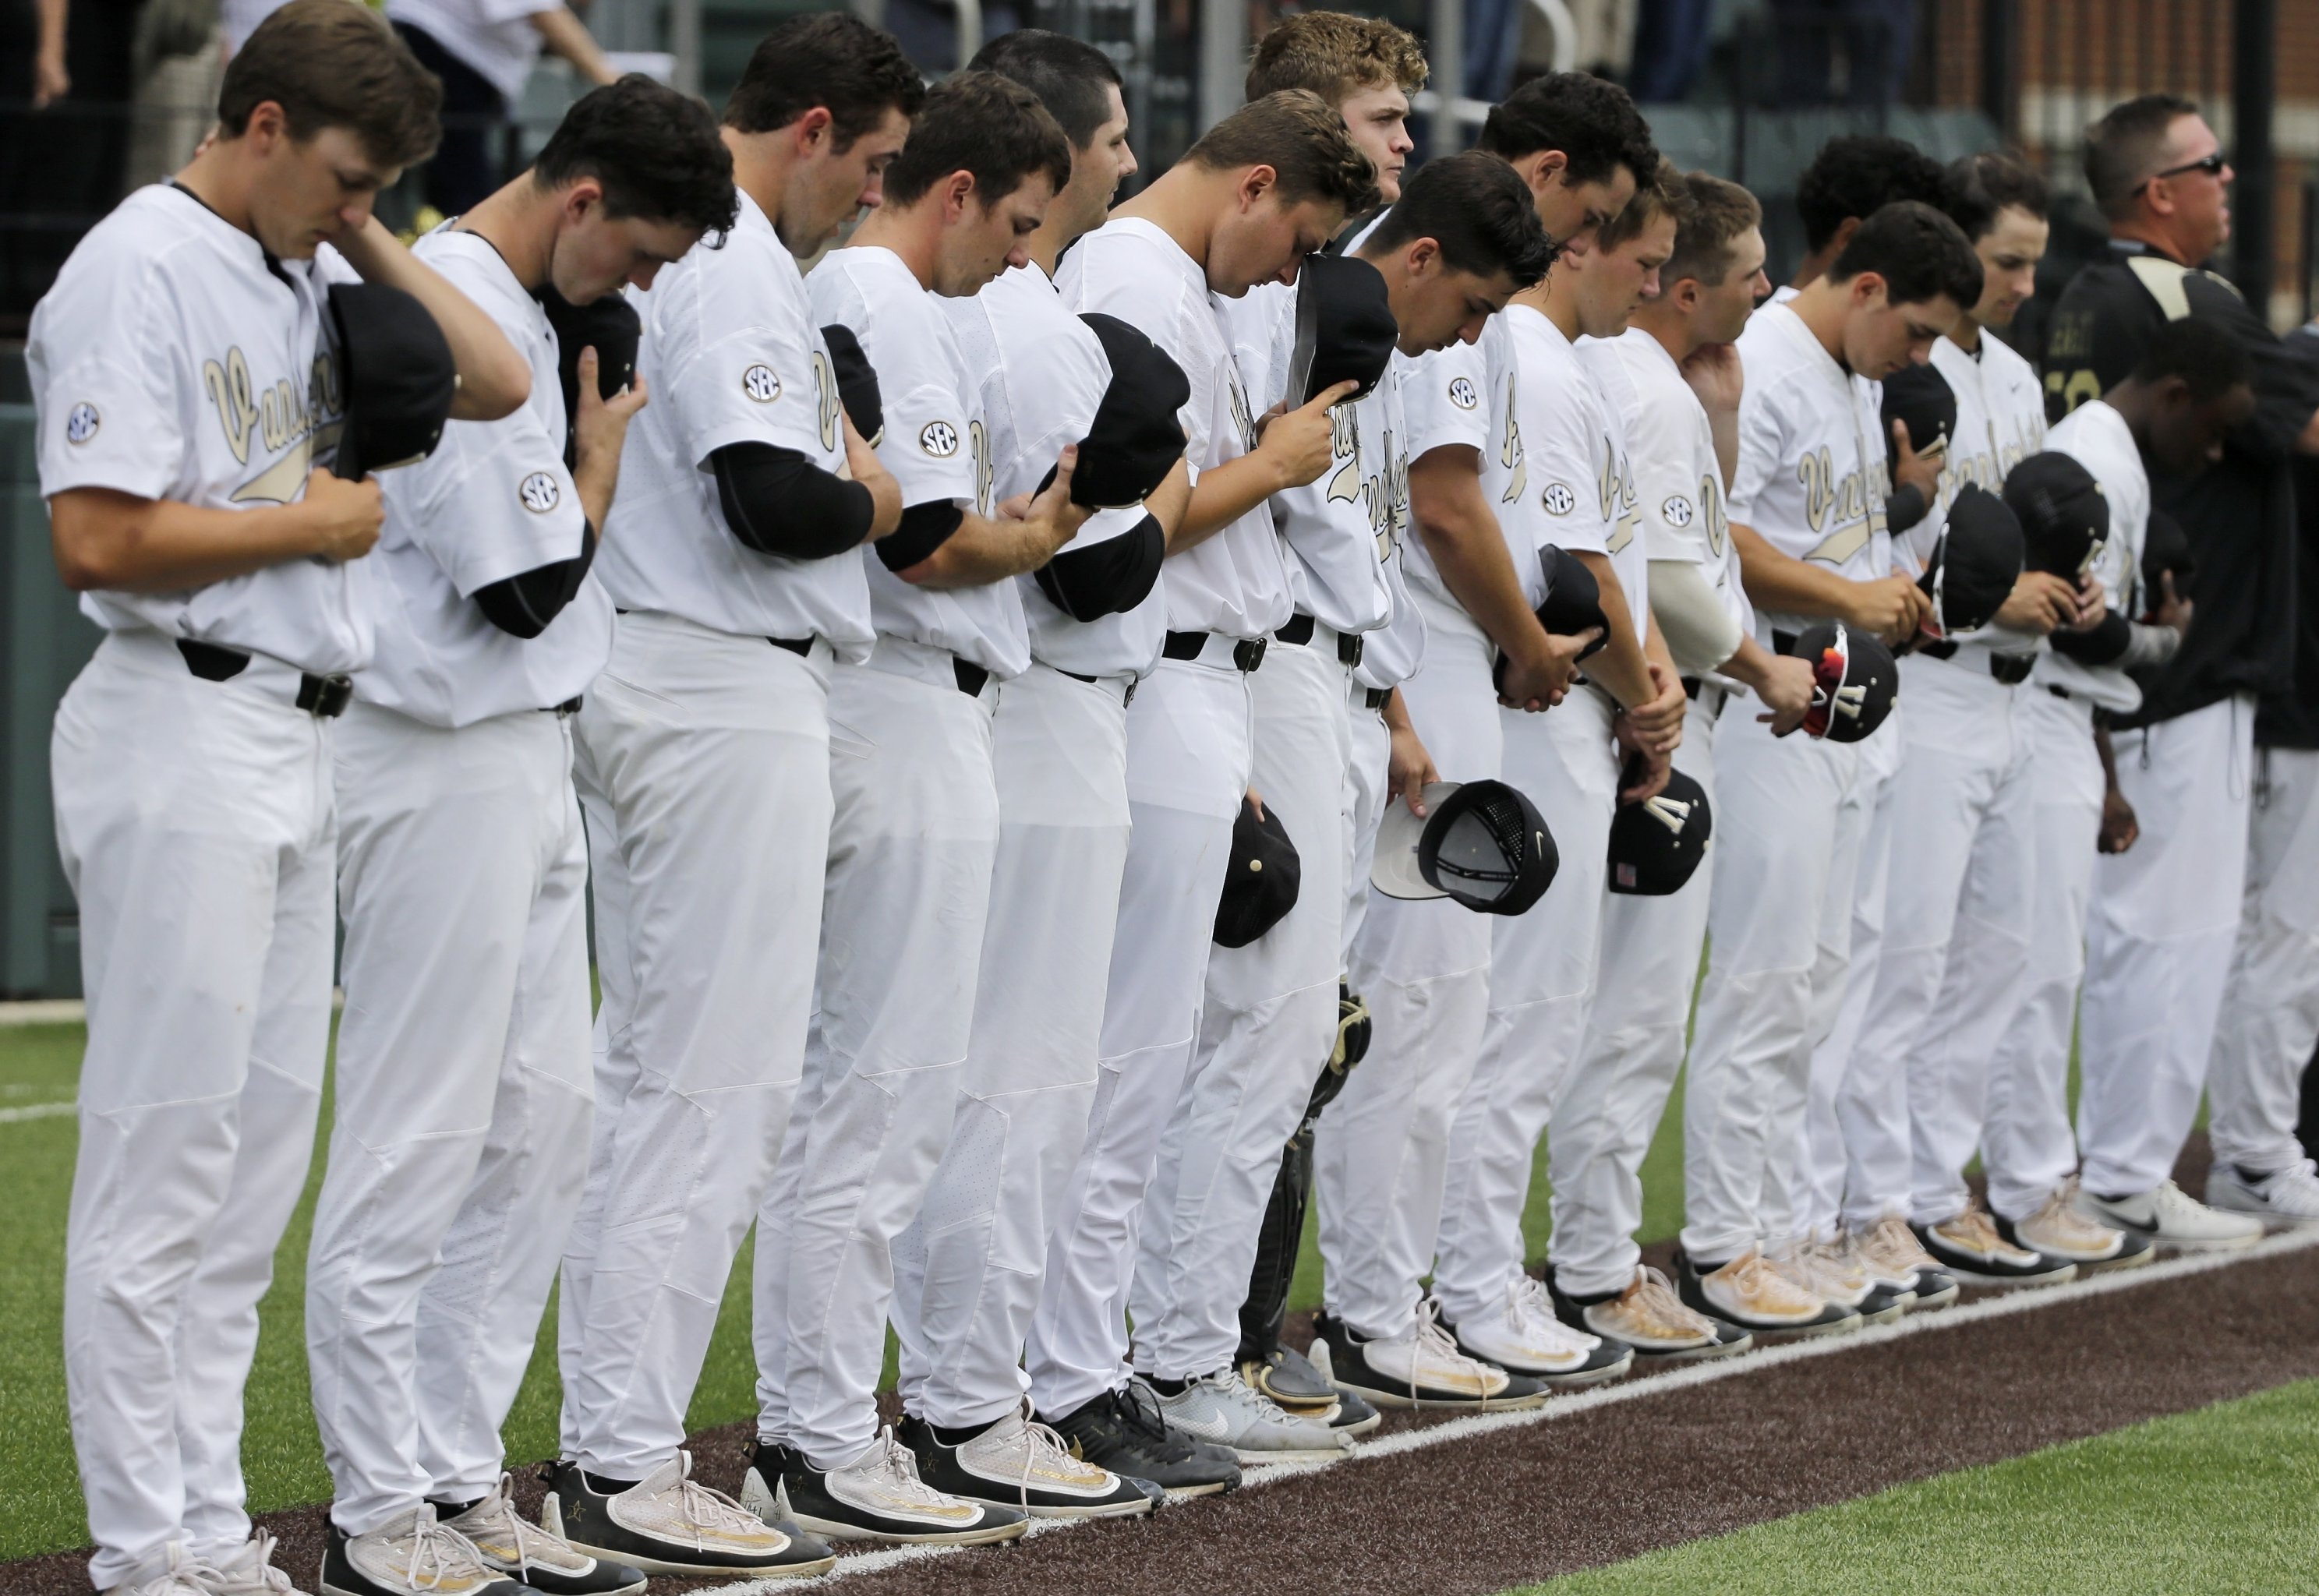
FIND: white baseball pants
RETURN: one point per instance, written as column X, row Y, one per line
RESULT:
column 2027, row 1147
column 2158, row 942
column 1381, row 1151
column 1780, row 909
column 1368, row 742
column 1267, row 1020
column 703, row 769
column 2270, row 1017
column 1187, row 766
column 903, row 919
column 1611, row 1104
column 196, row 825
column 459, row 1141
column 1542, row 973
column 968, row 1270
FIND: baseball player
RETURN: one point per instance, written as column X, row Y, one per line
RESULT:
column 1853, row 176
column 1423, row 966
column 703, row 764
column 2187, row 393
column 1810, row 485
column 917, row 830
column 968, row 1270
column 188, row 381
column 1674, row 360
column 462, row 1097
column 1262, row 189
column 2166, row 914
column 2270, row 1011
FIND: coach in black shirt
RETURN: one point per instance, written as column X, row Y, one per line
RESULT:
column 2166, row 914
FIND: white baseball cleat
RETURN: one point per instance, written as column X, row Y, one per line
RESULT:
column 1225, row 1410
column 2170, row 1217
column 2291, row 1193
column 1526, row 1337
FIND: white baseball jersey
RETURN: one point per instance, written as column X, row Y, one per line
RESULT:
column 1813, row 473
column 494, row 37
column 2096, row 436
column 1469, row 393
column 1678, row 480
column 733, row 355
column 1391, row 654
column 1235, row 582
column 2000, row 422
column 934, row 445
column 1042, row 377
column 494, row 500
column 176, row 358
column 1578, row 470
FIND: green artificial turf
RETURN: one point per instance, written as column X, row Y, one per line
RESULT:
column 2218, row 1501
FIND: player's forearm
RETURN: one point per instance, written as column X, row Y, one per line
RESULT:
column 104, row 540
column 1454, row 522
column 564, row 35
column 984, row 550
column 494, row 380
column 1222, row 496
column 1170, row 500
column 598, row 478
column 1786, row 585
column 1618, row 667
column 1751, row 665
column 1723, row 424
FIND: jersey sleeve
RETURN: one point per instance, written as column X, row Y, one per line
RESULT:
column 1100, row 276
column 741, row 364
column 1573, row 474
column 114, row 390
column 1670, row 488
column 1763, row 445
column 1446, row 400
column 494, row 500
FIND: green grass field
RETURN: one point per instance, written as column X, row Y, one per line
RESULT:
column 2217, row 1501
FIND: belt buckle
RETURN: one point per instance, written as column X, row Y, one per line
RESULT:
column 1349, row 645
column 326, row 696
column 1248, row 654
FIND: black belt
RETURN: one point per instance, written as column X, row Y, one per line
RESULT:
column 2009, row 669
column 800, row 646
column 1378, row 698
column 1248, row 654
column 1125, row 698
column 2062, row 693
column 570, row 706
column 971, row 677
column 1299, row 632
column 325, row 696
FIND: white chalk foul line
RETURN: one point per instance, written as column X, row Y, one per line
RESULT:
column 36, row 1111
column 2022, row 1300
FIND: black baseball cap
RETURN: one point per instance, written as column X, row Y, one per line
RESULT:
column 1345, row 330
column 857, row 382
column 1657, row 845
column 1855, row 684
column 1135, row 439
column 2165, row 547
column 1920, row 396
column 1572, row 605
column 610, row 327
column 1261, row 886
column 396, row 376
column 2064, row 516
column 1974, row 564
column 1481, row 843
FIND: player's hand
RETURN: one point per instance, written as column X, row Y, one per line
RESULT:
column 1717, row 375
column 1542, row 680
column 1644, row 776
column 1786, row 690
column 1297, row 442
column 1409, row 771
column 1910, row 467
column 1053, row 504
column 2093, row 605
column 2119, row 828
column 1892, row 607
column 2171, row 610
column 344, row 517
column 1657, row 721
column 602, row 427
column 2040, row 602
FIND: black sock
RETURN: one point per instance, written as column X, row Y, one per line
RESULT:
column 1166, row 1387
column 446, row 1510
column 956, row 1435
column 604, row 1486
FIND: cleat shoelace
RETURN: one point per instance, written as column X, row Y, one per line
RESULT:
column 438, row 1554
column 897, row 1468
column 1433, row 1341
column 707, row 1511
column 1662, row 1308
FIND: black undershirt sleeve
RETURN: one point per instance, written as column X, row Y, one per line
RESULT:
column 776, row 501
column 1904, row 507
column 1108, row 578
column 523, row 604
column 924, row 528
column 2104, row 644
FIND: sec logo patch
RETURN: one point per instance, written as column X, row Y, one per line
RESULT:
column 938, row 438
column 761, row 384
column 1559, row 500
column 1677, row 512
column 81, row 423
column 1462, row 393
column 539, row 492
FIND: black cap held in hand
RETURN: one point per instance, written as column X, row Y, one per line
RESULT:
column 1920, row 396
column 1345, row 330
column 1656, row 846
column 396, row 374
column 1572, row 606
column 610, row 327
column 1854, row 684
column 1483, row 844
column 2165, row 547
column 1136, row 439
column 1976, row 562
column 1261, row 886
column 857, row 382
column 2064, row 514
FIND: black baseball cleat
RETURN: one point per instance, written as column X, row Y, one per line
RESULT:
column 1885, row 1305
column 1748, row 1292
column 670, row 1523
column 1650, row 1316
column 534, row 1558
column 876, row 1497
column 1422, row 1369
column 1125, row 1431
column 1010, row 1462
column 1935, row 1289
column 1289, row 1378
column 1970, row 1247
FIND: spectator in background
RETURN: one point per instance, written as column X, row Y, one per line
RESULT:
column 1877, row 38
column 64, row 129
column 1671, row 43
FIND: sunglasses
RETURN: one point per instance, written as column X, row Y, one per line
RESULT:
column 2211, row 166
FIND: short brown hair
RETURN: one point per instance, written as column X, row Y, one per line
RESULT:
column 1303, row 139
column 1336, row 55
column 984, row 123
column 1707, row 236
column 336, row 64
column 1657, row 192
column 828, row 60
column 2122, row 149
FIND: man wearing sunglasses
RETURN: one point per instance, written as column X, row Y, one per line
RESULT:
column 2165, row 914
